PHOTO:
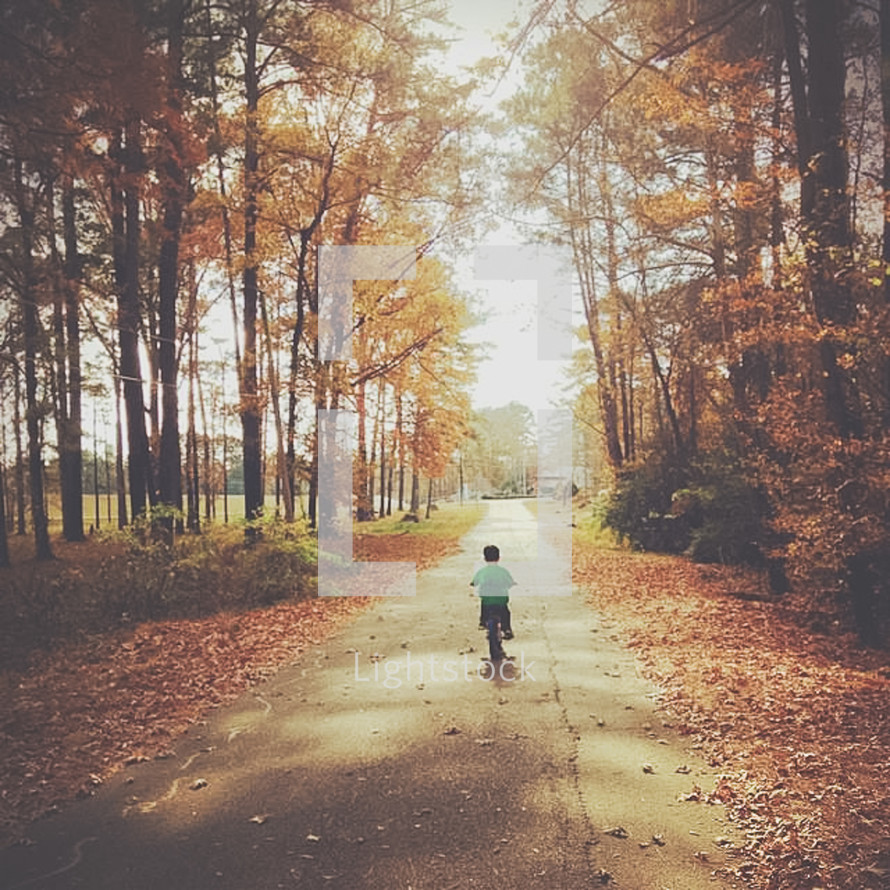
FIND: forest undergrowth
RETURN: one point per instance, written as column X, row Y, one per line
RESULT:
column 794, row 721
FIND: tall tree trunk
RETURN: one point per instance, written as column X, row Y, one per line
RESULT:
column 663, row 397
column 151, row 338
column 208, row 444
column 415, row 491
column 4, row 542
column 608, row 407
column 20, row 509
column 60, row 382
column 173, row 187
column 364, row 507
column 829, row 222
column 320, row 375
column 400, row 439
column 292, row 394
column 777, row 225
column 32, row 338
column 250, row 408
column 825, row 204
column 885, row 248
column 583, row 253
column 286, row 488
column 375, row 439
column 193, row 517
column 383, row 461
column 606, row 384
column 69, row 414
column 139, row 464
column 621, row 347
column 119, row 474
column 304, row 297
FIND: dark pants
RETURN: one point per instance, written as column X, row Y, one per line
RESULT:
column 503, row 612
column 495, row 616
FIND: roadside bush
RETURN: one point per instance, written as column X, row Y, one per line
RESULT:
column 280, row 566
column 732, row 529
column 221, row 569
column 640, row 499
column 709, row 511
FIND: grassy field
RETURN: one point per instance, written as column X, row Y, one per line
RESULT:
column 107, row 517
column 447, row 520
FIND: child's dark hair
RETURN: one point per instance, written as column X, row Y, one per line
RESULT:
column 491, row 553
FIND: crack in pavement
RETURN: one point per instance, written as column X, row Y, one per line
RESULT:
column 588, row 829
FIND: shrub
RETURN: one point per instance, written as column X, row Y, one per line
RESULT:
column 708, row 510
column 641, row 495
column 732, row 521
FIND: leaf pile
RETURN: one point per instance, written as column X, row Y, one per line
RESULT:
column 78, row 714
column 799, row 723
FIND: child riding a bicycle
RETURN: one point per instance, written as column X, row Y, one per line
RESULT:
column 493, row 583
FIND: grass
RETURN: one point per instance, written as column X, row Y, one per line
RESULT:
column 107, row 517
column 114, row 579
column 590, row 530
column 448, row 520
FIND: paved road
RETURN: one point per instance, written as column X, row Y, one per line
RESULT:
column 389, row 758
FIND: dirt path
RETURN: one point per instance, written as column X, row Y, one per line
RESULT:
column 388, row 759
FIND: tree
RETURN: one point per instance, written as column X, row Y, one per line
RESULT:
column 33, row 335
column 67, row 384
column 408, row 339
column 824, row 198
column 173, row 178
column 4, row 541
column 502, row 446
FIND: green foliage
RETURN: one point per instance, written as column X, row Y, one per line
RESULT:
column 591, row 526
column 732, row 525
column 502, row 448
column 709, row 511
column 642, row 492
column 215, row 571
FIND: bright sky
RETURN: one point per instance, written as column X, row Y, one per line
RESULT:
column 512, row 370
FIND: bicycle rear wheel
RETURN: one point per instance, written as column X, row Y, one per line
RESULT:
column 495, row 635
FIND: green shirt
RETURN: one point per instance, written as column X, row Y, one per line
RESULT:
column 492, row 583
